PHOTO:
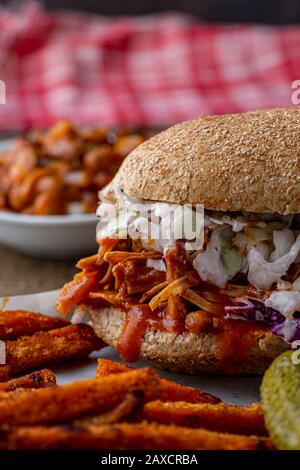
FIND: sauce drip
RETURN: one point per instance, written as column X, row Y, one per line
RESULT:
column 139, row 317
column 235, row 342
column 235, row 338
column 130, row 340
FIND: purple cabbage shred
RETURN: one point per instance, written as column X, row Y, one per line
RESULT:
column 255, row 310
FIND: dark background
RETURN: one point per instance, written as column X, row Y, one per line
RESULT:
column 264, row 11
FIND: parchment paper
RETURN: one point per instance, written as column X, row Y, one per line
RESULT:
column 235, row 390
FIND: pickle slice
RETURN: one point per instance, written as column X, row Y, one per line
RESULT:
column 280, row 395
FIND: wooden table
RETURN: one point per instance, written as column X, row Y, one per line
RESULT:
column 20, row 274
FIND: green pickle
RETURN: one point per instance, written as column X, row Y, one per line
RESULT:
column 280, row 396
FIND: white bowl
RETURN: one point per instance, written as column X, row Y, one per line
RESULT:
column 54, row 237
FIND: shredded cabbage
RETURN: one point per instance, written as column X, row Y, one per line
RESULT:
column 110, row 226
column 283, row 241
column 230, row 255
column 288, row 330
column 158, row 225
column 261, row 246
column 262, row 273
column 209, row 264
column 286, row 302
column 250, row 309
column 237, row 224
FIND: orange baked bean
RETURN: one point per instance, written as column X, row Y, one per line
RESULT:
column 53, row 171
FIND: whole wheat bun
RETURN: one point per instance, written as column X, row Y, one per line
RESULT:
column 234, row 162
column 186, row 353
column 248, row 161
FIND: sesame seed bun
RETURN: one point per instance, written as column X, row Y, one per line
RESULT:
column 187, row 352
column 248, row 161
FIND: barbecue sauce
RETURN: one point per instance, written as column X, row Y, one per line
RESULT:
column 130, row 340
column 235, row 338
column 139, row 317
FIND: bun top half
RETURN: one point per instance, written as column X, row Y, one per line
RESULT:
column 235, row 162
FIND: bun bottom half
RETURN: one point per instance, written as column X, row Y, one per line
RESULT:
column 187, row 353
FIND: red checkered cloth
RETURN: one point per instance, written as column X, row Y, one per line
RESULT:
column 149, row 71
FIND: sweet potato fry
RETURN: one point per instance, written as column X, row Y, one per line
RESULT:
column 174, row 391
column 48, row 347
column 132, row 402
column 122, row 436
column 15, row 323
column 6, row 373
column 220, row 417
column 171, row 391
column 106, row 367
column 39, row 379
column 71, row 401
column 16, row 393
